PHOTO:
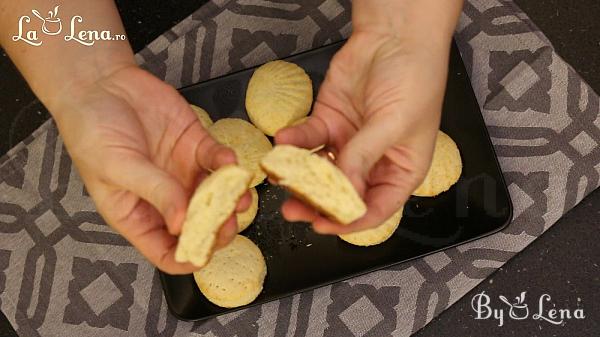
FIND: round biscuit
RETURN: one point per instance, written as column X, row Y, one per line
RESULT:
column 245, row 218
column 235, row 274
column 202, row 115
column 249, row 144
column 279, row 93
column 445, row 169
column 374, row 236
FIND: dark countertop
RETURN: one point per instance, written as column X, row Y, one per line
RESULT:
column 563, row 262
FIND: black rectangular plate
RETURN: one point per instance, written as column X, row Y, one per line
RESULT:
column 299, row 259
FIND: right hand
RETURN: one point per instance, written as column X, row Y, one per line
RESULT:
column 141, row 152
column 378, row 110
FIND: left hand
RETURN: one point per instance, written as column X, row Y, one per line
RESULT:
column 141, row 152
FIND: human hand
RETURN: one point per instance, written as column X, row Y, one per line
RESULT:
column 378, row 110
column 141, row 152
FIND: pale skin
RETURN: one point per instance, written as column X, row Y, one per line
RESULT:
column 141, row 151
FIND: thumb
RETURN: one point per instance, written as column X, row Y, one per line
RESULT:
column 211, row 155
column 310, row 134
column 141, row 177
column 365, row 148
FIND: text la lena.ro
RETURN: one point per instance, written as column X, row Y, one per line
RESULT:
column 84, row 37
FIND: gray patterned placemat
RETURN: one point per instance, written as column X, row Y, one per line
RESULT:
column 63, row 272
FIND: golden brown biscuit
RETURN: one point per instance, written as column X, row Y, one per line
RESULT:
column 248, row 143
column 279, row 93
column 445, row 169
column 202, row 115
column 374, row 236
column 235, row 274
column 300, row 121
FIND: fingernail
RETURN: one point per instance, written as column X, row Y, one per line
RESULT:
column 174, row 220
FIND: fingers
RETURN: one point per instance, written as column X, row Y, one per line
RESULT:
column 294, row 210
column 210, row 155
column 244, row 202
column 382, row 202
column 365, row 148
column 167, row 263
column 140, row 176
column 308, row 135
column 227, row 233
column 229, row 229
column 144, row 229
